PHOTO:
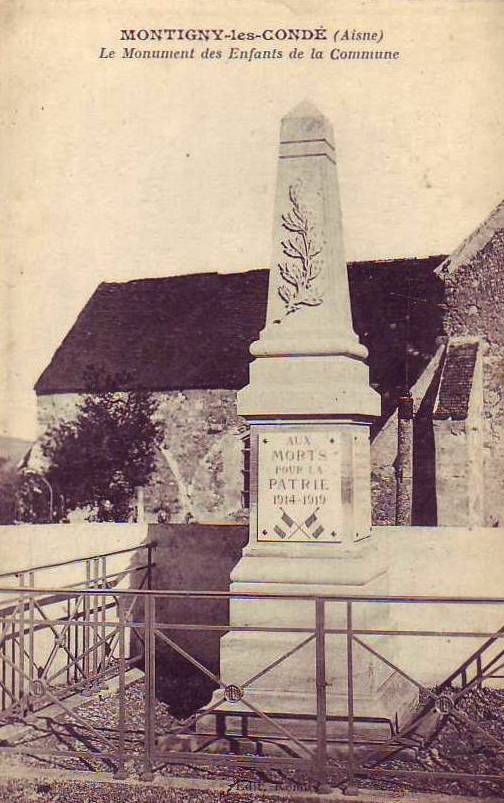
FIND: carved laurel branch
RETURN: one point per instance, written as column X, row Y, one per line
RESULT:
column 301, row 269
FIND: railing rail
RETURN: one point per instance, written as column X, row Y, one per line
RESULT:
column 196, row 594
column 137, row 612
column 32, row 633
column 81, row 560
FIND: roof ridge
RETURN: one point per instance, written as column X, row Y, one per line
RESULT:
column 194, row 330
column 474, row 242
column 248, row 271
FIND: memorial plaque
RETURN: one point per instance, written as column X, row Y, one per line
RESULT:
column 299, row 486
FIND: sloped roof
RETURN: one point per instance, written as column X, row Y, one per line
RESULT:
column 475, row 243
column 380, row 292
column 194, row 331
column 157, row 334
column 456, row 381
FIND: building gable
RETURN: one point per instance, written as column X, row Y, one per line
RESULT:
column 194, row 331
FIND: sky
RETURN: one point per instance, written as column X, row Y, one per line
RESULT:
column 117, row 169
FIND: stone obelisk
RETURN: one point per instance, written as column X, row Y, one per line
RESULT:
column 309, row 406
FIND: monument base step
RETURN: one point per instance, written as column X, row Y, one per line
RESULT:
column 377, row 716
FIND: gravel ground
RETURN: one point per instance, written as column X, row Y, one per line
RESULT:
column 458, row 747
column 455, row 747
column 89, row 792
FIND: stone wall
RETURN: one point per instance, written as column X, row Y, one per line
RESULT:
column 192, row 557
column 459, row 443
column 444, row 562
column 56, row 408
column 23, row 546
column 423, row 561
column 455, row 505
column 200, row 465
column 474, row 307
column 35, row 548
column 475, row 299
column 384, row 455
column 200, row 469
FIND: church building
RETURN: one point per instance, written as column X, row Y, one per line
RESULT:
column 433, row 329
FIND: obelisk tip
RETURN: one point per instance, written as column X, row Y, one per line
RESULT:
column 305, row 122
column 304, row 109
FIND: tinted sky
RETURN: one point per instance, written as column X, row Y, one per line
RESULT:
column 120, row 169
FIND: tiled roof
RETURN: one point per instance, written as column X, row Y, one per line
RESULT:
column 194, row 331
column 157, row 334
column 456, row 381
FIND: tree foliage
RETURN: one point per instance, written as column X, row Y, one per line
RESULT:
column 9, row 485
column 97, row 459
column 23, row 496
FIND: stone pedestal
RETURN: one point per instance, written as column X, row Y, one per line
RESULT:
column 309, row 406
column 287, row 692
column 309, row 541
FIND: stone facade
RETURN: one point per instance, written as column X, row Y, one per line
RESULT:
column 384, row 454
column 200, row 465
column 458, row 430
column 475, row 299
column 458, row 461
column 200, row 470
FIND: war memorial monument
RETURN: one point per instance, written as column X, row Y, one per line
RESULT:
column 309, row 407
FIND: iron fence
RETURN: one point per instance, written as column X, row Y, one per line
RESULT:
column 332, row 747
column 42, row 632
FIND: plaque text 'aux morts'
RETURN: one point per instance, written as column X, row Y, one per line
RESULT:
column 299, row 486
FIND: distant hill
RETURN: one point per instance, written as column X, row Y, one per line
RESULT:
column 12, row 450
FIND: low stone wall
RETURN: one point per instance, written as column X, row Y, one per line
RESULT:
column 25, row 553
column 192, row 557
column 424, row 561
column 443, row 561
column 23, row 546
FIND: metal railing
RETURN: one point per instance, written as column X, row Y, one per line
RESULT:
column 72, row 655
column 334, row 746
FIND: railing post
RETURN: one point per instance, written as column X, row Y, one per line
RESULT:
column 121, row 773
column 3, row 694
column 86, row 635
column 21, row 638
column 150, row 685
column 14, row 679
column 149, row 566
column 321, row 756
column 31, row 628
column 350, row 787
column 95, row 615
column 140, row 503
column 68, row 639
column 103, row 631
